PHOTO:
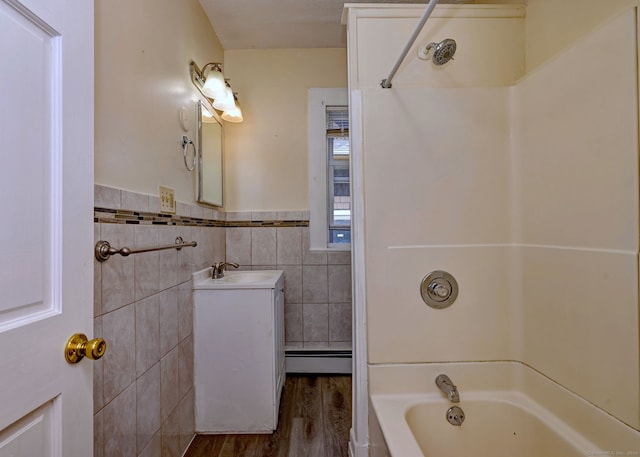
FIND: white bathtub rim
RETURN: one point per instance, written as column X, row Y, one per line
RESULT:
column 391, row 411
column 606, row 431
column 396, row 432
column 509, row 364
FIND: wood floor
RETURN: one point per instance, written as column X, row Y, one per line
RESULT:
column 315, row 418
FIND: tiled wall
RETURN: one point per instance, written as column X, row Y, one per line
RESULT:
column 143, row 386
column 317, row 283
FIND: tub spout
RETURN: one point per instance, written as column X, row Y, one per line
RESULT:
column 445, row 385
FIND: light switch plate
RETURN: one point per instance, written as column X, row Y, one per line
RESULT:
column 167, row 200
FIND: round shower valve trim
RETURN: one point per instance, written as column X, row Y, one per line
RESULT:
column 439, row 289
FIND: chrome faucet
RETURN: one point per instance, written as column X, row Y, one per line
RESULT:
column 218, row 269
column 445, row 385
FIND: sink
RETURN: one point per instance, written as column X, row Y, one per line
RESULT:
column 258, row 279
column 248, row 276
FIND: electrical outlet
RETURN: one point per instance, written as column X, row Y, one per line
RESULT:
column 167, row 200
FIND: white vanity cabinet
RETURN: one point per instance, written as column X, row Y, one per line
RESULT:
column 239, row 351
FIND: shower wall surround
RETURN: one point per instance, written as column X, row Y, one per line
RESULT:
column 576, row 200
column 525, row 188
column 143, row 386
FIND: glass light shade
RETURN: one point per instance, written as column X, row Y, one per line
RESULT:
column 225, row 101
column 206, row 113
column 214, row 85
column 233, row 115
column 207, row 117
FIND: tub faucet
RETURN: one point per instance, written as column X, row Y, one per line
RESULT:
column 218, row 269
column 445, row 385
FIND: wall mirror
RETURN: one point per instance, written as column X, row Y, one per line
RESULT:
column 210, row 155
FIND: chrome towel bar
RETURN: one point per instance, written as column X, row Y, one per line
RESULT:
column 104, row 250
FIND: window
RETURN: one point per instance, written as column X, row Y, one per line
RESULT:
column 338, row 185
column 329, row 177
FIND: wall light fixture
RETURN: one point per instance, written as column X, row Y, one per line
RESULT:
column 225, row 100
column 213, row 85
column 234, row 114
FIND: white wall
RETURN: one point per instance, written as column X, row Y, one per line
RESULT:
column 142, row 54
column 436, row 180
column 436, row 197
column 266, row 157
column 553, row 25
column 489, row 39
column 576, row 142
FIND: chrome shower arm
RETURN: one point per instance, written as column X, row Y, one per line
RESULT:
column 386, row 83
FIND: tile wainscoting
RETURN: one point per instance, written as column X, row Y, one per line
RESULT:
column 317, row 283
column 143, row 386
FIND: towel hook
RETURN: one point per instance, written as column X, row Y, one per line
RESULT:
column 185, row 145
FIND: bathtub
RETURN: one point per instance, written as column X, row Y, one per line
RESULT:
column 510, row 410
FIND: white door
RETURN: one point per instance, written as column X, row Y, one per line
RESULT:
column 46, row 234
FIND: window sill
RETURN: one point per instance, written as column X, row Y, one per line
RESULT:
column 346, row 248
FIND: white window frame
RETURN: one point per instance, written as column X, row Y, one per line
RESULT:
column 318, row 99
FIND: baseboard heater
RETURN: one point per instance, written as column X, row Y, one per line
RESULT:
column 308, row 361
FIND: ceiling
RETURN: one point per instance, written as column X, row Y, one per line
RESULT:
column 274, row 24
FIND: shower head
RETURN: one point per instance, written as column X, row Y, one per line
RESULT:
column 439, row 53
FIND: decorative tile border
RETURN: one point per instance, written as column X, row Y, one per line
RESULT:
column 267, row 219
column 274, row 223
column 121, row 216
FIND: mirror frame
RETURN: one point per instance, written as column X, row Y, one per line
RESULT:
column 200, row 198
